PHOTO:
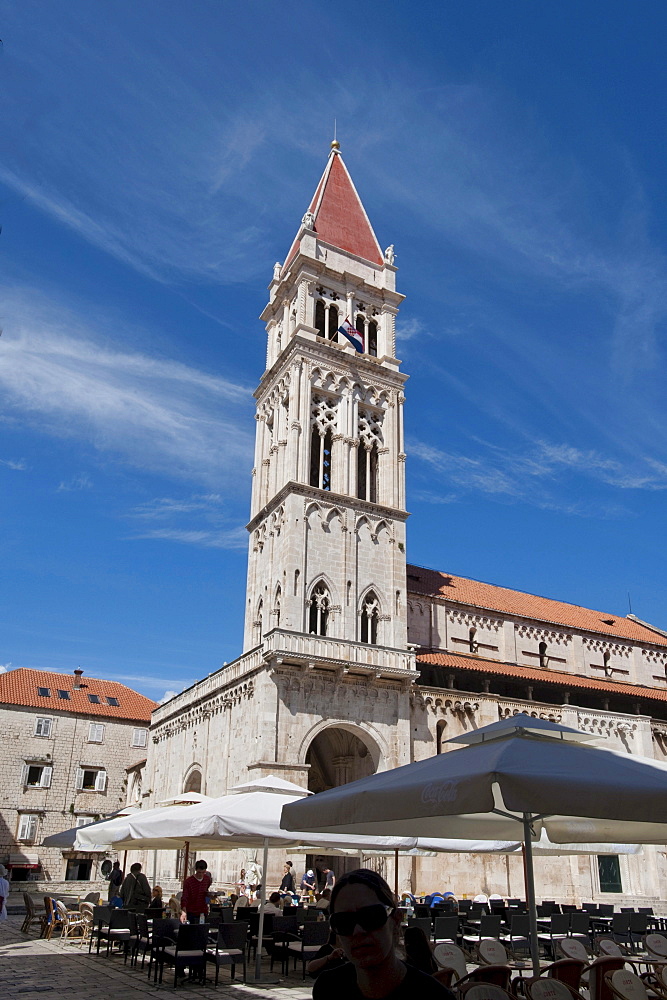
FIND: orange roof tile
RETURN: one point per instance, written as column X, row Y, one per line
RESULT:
column 20, row 687
column 340, row 217
column 514, row 602
column 543, row 676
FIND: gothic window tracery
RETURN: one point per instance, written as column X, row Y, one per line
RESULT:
column 319, row 611
column 257, row 624
column 276, row 606
column 323, row 420
column 372, row 345
column 320, row 318
column 370, row 615
column 370, row 438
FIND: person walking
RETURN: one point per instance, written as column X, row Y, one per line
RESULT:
column 194, row 901
column 366, row 920
column 115, row 880
column 4, row 892
column 135, row 890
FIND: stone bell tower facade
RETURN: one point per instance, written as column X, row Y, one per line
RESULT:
column 327, row 530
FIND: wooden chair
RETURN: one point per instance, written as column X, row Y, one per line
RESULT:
column 30, row 912
column 656, row 946
column 51, row 919
column 598, row 987
column 492, row 952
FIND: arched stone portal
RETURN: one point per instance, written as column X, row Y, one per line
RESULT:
column 336, row 756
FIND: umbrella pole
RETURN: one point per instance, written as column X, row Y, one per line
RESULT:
column 396, row 873
column 186, row 857
column 530, row 893
column 260, row 929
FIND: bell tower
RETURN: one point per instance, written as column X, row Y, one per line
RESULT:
column 327, row 528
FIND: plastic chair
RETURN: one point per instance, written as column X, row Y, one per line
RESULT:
column 573, row 948
column 543, row 988
column 188, row 951
column 450, row 957
column 230, row 949
column 492, row 952
column 626, row 985
column 598, row 987
column 484, row 991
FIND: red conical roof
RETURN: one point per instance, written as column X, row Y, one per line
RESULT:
column 340, row 218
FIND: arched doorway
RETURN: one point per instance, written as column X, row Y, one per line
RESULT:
column 337, row 756
column 192, row 782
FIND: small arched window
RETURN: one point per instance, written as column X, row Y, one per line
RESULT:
column 320, row 317
column 193, row 781
column 320, row 605
column 276, row 606
column 606, row 657
column 333, row 323
column 257, row 625
column 297, row 574
column 370, row 615
column 542, row 650
column 373, row 339
column 472, row 642
column 439, row 734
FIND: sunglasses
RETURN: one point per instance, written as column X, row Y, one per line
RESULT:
column 369, row 918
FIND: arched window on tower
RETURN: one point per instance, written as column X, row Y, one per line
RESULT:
column 372, row 346
column 318, row 615
column 439, row 735
column 257, row 625
column 367, row 471
column 323, row 419
column 370, row 615
column 606, row 657
column 542, row 650
column 333, row 323
column 360, row 324
column 473, row 645
column 320, row 317
column 276, row 606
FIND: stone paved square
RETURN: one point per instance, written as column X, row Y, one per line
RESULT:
column 31, row 967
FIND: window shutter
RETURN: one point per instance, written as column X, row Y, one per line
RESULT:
column 24, row 779
column 32, row 827
column 46, row 777
column 101, row 781
column 23, row 827
column 79, row 778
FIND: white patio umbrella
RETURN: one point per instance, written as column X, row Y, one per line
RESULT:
column 247, row 818
column 520, row 774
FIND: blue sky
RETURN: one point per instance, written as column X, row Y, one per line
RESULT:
column 156, row 159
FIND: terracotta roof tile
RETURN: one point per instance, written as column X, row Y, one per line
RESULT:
column 475, row 594
column 340, row 217
column 543, row 676
column 20, row 687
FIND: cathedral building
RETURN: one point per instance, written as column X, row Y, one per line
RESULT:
column 355, row 661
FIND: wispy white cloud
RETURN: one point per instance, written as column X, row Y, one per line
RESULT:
column 540, row 475
column 4, row 667
column 167, row 696
column 76, row 483
column 200, row 520
column 17, row 465
column 65, row 376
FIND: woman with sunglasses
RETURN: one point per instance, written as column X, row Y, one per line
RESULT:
column 364, row 916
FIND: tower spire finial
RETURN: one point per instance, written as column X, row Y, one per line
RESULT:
column 335, row 144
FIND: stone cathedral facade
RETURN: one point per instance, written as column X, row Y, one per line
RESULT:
column 353, row 660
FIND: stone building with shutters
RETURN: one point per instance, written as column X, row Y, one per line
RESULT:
column 67, row 746
column 353, row 660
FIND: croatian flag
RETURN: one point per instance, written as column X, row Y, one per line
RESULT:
column 353, row 335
